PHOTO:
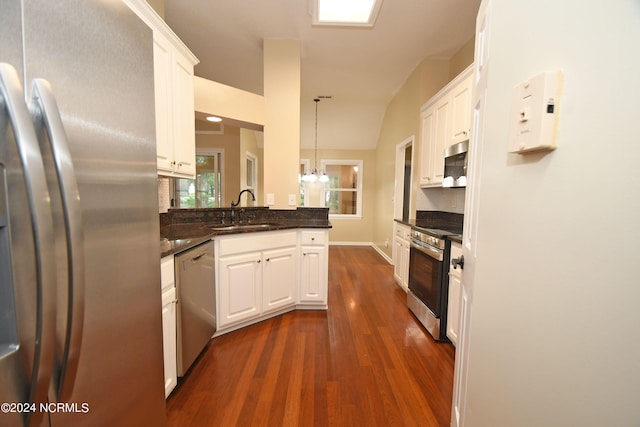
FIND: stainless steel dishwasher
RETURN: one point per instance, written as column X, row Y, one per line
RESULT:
column 196, row 309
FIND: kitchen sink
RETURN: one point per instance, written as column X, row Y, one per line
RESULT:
column 232, row 227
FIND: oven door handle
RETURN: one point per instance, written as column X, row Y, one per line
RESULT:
column 428, row 250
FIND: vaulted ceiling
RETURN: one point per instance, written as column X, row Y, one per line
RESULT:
column 360, row 68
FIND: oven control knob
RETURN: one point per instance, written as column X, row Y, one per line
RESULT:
column 458, row 262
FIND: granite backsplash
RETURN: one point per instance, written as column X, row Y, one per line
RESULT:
column 250, row 214
column 440, row 220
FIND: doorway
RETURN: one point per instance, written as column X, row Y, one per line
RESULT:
column 403, row 179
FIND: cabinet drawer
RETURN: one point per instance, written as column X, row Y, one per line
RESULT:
column 258, row 241
column 313, row 238
column 403, row 231
column 166, row 272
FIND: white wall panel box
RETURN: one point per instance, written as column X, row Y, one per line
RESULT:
column 533, row 122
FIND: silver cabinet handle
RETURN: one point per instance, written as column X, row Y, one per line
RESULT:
column 45, row 113
column 42, row 225
column 197, row 257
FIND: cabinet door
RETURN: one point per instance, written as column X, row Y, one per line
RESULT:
column 455, row 289
column 404, row 272
column 169, row 340
column 278, row 279
column 453, row 308
column 460, row 111
column 162, row 63
column 397, row 260
column 183, row 118
column 240, row 288
column 441, row 122
column 313, row 283
column 427, row 140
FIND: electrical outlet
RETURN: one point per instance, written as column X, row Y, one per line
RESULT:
column 271, row 199
column 292, row 200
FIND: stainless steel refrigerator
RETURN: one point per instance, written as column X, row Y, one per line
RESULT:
column 80, row 302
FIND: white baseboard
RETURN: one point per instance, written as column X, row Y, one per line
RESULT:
column 374, row 246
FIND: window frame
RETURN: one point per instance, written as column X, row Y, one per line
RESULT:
column 210, row 152
column 253, row 186
column 358, row 190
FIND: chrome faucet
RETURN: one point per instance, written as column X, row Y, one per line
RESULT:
column 233, row 205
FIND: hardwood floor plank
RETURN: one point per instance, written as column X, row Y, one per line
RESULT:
column 364, row 361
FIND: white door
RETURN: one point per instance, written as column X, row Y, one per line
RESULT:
column 472, row 204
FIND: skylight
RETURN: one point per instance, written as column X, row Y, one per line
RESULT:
column 346, row 12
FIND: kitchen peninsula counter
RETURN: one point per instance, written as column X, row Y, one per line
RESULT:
column 181, row 229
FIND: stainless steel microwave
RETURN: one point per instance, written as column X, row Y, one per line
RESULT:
column 455, row 165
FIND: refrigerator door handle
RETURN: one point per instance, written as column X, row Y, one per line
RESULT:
column 42, row 225
column 44, row 108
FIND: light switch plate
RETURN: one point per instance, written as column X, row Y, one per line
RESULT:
column 533, row 121
column 271, row 199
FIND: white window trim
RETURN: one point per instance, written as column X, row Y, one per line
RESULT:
column 254, row 185
column 341, row 162
column 213, row 152
column 307, row 165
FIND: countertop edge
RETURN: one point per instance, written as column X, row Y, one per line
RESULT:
column 171, row 246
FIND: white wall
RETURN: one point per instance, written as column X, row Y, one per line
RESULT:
column 555, row 335
column 440, row 199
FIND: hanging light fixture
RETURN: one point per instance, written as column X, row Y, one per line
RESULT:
column 313, row 175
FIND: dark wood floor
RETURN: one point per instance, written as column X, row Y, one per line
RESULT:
column 364, row 362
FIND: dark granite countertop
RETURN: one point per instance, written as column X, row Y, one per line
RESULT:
column 455, row 238
column 177, row 235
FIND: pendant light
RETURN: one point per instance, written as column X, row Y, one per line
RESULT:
column 312, row 176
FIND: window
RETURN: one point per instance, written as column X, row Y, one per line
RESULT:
column 343, row 192
column 206, row 190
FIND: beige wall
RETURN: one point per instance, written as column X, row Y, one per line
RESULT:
column 226, row 101
column 401, row 121
column 249, row 144
column 353, row 230
column 282, row 129
column 461, row 59
column 158, row 6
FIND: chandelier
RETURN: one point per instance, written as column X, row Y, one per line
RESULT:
column 313, row 175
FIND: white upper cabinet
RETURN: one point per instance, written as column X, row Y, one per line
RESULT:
column 173, row 84
column 428, row 138
column 461, row 111
column 446, row 120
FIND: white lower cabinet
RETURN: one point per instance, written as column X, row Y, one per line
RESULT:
column 401, row 250
column 239, row 288
column 278, row 279
column 169, row 332
column 314, row 268
column 259, row 275
column 455, row 288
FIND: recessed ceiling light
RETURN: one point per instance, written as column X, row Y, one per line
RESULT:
column 360, row 13
column 214, row 119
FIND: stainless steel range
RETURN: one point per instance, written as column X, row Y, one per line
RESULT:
column 428, row 279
